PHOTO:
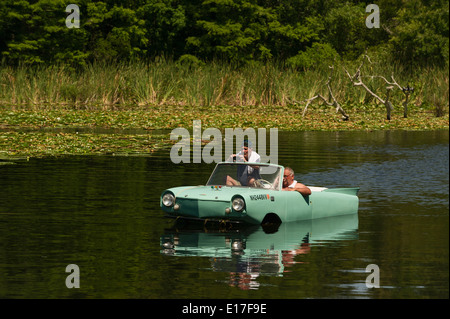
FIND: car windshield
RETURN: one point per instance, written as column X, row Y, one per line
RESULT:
column 246, row 175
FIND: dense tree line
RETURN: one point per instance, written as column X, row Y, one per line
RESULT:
column 299, row 32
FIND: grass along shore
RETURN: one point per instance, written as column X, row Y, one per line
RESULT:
column 317, row 117
column 164, row 95
column 28, row 133
column 124, row 85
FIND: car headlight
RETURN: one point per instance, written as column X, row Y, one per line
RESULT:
column 168, row 200
column 238, row 204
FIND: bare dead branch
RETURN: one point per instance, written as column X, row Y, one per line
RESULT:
column 356, row 80
column 332, row 100
column 406, row 90
column 312, row 99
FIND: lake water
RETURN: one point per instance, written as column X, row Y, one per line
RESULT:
column 102, row 214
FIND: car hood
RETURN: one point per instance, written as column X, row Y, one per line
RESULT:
column 216, row 193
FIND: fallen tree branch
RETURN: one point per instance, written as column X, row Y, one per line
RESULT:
column 334, row 102
column 406, row 90
column 356, row 80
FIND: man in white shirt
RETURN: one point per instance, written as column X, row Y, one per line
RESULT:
column 246, row 154
column 290, row 184
column 246, row 173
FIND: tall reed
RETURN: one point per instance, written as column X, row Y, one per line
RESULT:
column 166, row 83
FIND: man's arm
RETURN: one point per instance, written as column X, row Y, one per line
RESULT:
column 299, row 187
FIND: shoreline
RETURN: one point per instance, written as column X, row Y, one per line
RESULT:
column 143, row 131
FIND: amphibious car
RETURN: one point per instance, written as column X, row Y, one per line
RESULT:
column 253, row 193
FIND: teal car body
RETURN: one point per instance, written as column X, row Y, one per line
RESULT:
column 258, row 202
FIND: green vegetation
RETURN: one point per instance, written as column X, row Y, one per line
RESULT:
column 43, row 139
column 165, row 95
column 217, row 52
column 40, row 144
column 412, row 32
column 160, row 64
column 318, row 117
column 125, row 85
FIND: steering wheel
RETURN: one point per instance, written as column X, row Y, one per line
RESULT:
column 262, row 183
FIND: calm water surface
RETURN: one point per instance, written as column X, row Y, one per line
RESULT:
column 102, row 214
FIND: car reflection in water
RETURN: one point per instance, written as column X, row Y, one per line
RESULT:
column 247, row 252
